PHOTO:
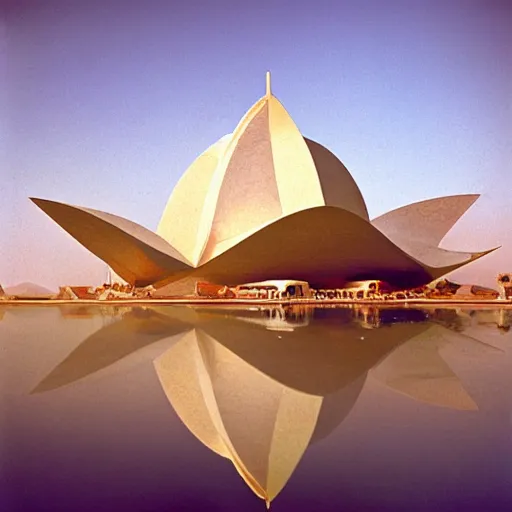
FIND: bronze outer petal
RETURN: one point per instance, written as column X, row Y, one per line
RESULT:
column 428, row 220
column 327, row 246
column 138, row 255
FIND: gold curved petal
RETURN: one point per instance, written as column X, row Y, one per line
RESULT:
column 297, row 177
column 338, row 187
column 135, row 253
column 428, row 220
column 243, row 193
column 180, row 221
column 327, row 247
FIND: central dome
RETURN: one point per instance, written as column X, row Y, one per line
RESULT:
column 265, row 170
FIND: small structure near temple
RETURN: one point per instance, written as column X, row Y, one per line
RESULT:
column 445, row 289
column 76, row 293
column 441, row 289
column 371, row 289
column 273, row 289
column 505, row 285
column 470, row 292
column 213, row 291
column 118, row 290
column 115, row 290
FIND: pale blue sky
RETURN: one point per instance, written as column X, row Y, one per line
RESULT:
column 106, row 105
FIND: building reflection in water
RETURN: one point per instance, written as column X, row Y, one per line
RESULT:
column 259, row 385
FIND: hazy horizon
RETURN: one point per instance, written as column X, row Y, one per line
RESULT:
column 106, row 105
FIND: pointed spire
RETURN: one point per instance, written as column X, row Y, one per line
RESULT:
column 269, row 90
column 267, row 500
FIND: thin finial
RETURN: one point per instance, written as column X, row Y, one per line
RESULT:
column 267, row 500
column 269, row 91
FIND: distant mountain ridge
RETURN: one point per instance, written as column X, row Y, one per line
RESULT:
column 28, row 289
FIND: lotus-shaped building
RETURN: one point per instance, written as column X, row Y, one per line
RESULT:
column 267, row 203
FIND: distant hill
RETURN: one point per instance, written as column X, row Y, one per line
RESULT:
column 28, row 290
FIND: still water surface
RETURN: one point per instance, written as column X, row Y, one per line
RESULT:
column 216, row 409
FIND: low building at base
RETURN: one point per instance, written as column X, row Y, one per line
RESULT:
column 76, row 293
column 274, row 289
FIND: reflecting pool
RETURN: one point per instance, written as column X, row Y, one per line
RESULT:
column 173, row 408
